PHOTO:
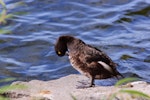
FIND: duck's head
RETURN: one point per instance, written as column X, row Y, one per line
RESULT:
column 61, row 45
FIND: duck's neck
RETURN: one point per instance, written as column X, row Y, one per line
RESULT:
column 75, row 45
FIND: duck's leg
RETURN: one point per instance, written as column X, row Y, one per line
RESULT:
column 92, row 81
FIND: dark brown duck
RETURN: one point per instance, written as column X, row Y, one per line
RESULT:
column 86, row 59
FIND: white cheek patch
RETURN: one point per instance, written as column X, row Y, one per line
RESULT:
column 106, row 66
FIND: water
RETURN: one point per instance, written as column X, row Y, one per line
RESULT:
column 121, row 28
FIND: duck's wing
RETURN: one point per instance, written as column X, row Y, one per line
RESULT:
column 93, row 54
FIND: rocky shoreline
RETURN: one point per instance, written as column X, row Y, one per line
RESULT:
column 73, row 87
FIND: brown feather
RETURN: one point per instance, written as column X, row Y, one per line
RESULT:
column 86, row 59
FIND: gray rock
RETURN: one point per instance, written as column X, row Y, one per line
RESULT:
column 72, row 87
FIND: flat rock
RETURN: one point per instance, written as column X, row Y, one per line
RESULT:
column 73, row 87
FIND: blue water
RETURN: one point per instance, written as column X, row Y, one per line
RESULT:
column 121, row 28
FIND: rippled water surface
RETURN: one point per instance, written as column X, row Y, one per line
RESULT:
column 121, row 28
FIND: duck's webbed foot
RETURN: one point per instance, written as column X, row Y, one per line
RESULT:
column 92, row 85
column 83, row 84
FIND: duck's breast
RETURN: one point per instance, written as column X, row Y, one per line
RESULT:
column 78, row 65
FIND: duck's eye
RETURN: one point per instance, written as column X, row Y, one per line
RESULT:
column 59, row 52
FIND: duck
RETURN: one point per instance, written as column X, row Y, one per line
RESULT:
column 86, row 59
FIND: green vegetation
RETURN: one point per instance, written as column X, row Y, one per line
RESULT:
column 125, row 80
column 117, row 95
column 133, row 93
column 3, row 30
column 73, row 97
column 126, row 57
column 6, row 88
column 4, row 16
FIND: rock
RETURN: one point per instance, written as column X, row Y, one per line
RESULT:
column 72, row 87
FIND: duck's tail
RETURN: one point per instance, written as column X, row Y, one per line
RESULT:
column 118, row 74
